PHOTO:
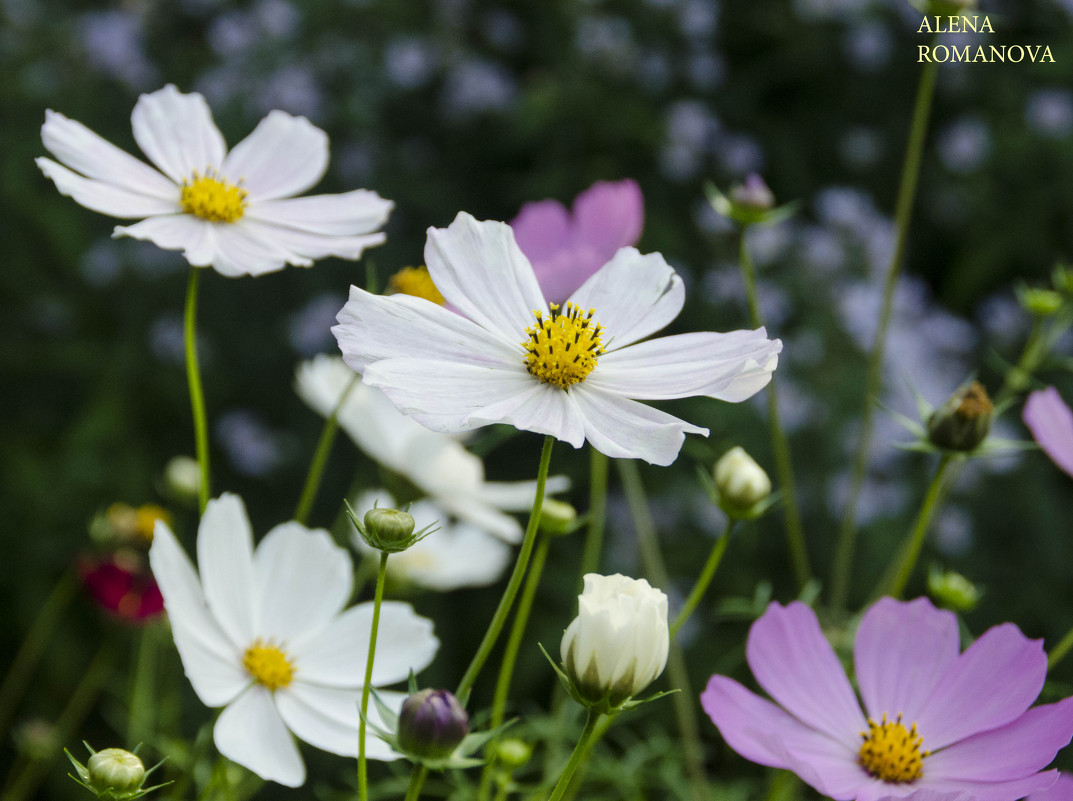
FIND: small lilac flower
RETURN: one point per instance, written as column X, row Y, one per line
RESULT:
column 938, row 724
column 566, row 248
column 1051, row 422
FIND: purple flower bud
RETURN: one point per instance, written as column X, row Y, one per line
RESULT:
column 753, row 194
column 431, row 724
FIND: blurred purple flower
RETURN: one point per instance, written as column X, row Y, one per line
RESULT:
column 1051, row 422
column 566, row 247
column 968, row 732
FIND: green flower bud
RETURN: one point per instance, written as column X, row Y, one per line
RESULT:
column 754, row 194
column 1040, row 302
column 952, row 590
column 963, row 422
column 748, row 202
column 182, row 479
column 513, row 753
column 741, row 482
column 431, row 724
column 1062, row 279
column 386, row 529
column 557, row 517
column 115, row 770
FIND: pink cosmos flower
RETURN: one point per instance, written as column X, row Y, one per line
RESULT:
column 122, row 585
column 938, row 724
column 1051, row 423
column 566, row 248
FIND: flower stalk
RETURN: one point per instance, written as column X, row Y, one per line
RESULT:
column 197, row 396
column 320, row 456
column 378, row 597
column 704, row 580
column 575, row 758
column 594, row 536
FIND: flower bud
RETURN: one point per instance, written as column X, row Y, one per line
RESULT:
column 618, row 643
column 952, row 590
column 116, row 770
column 741, row 482
column 388, row 530
column 1040, row 302
column 754, row 194
column 964, row 421
column 182, row 479
column 431, row 724
column 557, row 517
column 513, row 753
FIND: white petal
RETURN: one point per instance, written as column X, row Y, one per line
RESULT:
column 731, row 366
column 303, row 580
column 211, row 661
column 282, row 156
column 484, row 516
column 336, row 656
column 328, row 718
column 455, row 556
column 482, row 272
column 95, row 157
column 439, row 465
column 373, row 327
column 517, row 496
column 240, row 251
column 543, row 408
column 633, row 296
column 196, row 238
column 225, row 556
column 306, row 247
column 625, row 429
column 251, row 733
column 177, row 133
column 357, row 212
column 105, row 198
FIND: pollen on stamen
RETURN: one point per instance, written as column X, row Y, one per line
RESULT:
column 213, row 198
column 268, row 664
column 892, row 753
column 562, row 349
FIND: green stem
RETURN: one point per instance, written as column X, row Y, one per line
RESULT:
column 795, row 534
column 594, row 537
column 704, row 579
column 1017, row 379
column 141, row 723
column 899, row 574
column 1060, row 650
column 847, row 533
column 193, row 379
column 583, row 763
column 500, row 616
column 320, row 457
column 575, row 757
column 363, row 778
column 417, row 779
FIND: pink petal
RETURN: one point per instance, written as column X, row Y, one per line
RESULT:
column 1061, row 790
column 542, row 229
column 1051, row 423
column 608, row 216
column 900, row 653
column 994, row 791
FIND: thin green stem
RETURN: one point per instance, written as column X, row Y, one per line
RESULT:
column 193, row 379
column 417, row 779
column 847, row 533
column 575, row 757
column 1018, row 377
column 583, row 763
column 515, row 582
column 378, row 597
column 900, row 572
column 1060, row 650
column 141, row 719
column 704, row 579
column 320, row 457
column 780, row 445
column 594, row 537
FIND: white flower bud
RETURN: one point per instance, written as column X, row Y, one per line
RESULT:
column 618, row 643
column 115, row 770
column 741, row 482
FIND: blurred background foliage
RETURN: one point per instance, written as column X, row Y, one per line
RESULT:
column 483, row 105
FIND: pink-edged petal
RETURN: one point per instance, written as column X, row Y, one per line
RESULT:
column 316, row 573
column 1051, row 422
column 762, row 732
column 176, row 131
column 1061, row 790
column 225, row 557
column 251, row 733
column 795, row 664
column 541, row 408
column 731, row 367
column 282, row 156
column 608, row 216
column 633, row 295
column 95, row 157
column 1017, row 749
column 991, row 684
column 328, row 718
column 196, row 238
column 900, row 653
column 480, row 270
column 542, row 229
column 335, row 657
column 105, row 198
column 625, row 429
column 373, row 327
column 302, row 248
column 357, row 212
column 212, row 662
column 992, row 791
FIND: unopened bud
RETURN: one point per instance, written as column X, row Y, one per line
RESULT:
column 557, row 517
column 513, row 753
column 753, row 194
column 952, row 590
column 741, row 482
column 182, row 479
column 116, row 770
column 1040, row 302
column 388, row 530
column 431, row 724
column 964, row 421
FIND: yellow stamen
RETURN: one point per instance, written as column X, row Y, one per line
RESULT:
column 562, row 349
column 268, row 664
column 147, row 515
column 212, row 198
column 417, row 282
column 891, row 752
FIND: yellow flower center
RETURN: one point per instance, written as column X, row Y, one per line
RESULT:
column 212, row 198
column 268, row 664
column 417, row 282
column 562, row 349
column 891, row 752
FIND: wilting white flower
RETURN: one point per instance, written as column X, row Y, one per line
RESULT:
column 435, row 463
column 571, row 372
column 742, row 483
column 233, row 210
column 618, row 643
column 262, row 633
column 455, row 555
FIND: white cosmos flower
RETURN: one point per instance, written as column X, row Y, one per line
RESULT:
column 456, row 555
column 437, row 464
column 263, row 633
column 233, row 210
column 507, row 357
